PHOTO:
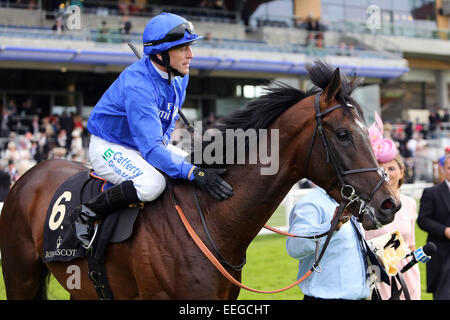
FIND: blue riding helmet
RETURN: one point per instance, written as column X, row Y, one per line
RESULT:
column 165, row 31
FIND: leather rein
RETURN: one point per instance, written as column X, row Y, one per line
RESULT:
column 348, row 194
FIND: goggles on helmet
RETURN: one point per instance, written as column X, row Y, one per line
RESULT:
column 175, row 34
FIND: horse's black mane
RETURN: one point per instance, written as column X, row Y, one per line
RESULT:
column 261, row 112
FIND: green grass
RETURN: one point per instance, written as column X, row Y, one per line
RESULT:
column 269, row 267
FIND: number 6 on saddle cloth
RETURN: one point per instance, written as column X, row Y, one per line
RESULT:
column 60, row 242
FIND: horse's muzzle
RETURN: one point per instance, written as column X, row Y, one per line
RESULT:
column 388, row 209
column 372, row 219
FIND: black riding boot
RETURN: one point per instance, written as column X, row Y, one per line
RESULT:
column 115, row 198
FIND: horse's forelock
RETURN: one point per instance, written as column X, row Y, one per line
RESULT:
column 320, row 72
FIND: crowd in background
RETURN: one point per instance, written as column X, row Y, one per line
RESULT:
column 27, row 138
column 413, row 141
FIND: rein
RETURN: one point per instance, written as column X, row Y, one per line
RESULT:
column 348, row 194
column 211, row 257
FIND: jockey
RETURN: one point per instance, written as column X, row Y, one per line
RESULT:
column 132, row 123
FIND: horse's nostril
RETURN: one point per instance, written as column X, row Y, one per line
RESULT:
column 389, row 207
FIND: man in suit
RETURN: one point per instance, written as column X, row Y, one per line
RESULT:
column 434, row 218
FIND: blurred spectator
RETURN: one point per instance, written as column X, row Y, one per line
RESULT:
column 35, row 151
column 135, row 7
column 103, row 33
column 67, row 124
column 423, row 165
column 11, row 108
column 351, row 51
column 125, row 25
column 245, row 16
column 76, row 149
column 408, row 130
column 35, row 125
column 219, row 5
column 434, row 214
column 342, row 50
column 11, row 153
column 12, row 172
column 27, row 108
column 78, row 122
column 61, row 138
column 446, row 120
column 404, row 222
column 123, row 7
column 402, row 140
column 5, row 183
column 59, row 18
column 315, row 31
column 5, row 123
column 57, row 153
column 417, row 142
column 48, row 128
column 434, row 121
column 23, row 166
column 388, row 131
column 208, row 36
column 26, row 111
column 419, row 127
column 24, row 146
column 31, row 4
column 441, row 164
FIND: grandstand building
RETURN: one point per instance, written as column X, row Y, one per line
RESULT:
column 64, row 58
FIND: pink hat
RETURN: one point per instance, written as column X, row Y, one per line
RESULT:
column 384, row 149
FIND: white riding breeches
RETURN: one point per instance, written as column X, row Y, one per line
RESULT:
column 117, row 163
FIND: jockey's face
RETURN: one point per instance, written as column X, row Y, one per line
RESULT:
column 180, row 58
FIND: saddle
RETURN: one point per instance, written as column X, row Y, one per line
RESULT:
column 60, row 242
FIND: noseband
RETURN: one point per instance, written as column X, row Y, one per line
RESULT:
column 348, row 192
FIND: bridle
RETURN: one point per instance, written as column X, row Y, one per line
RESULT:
column 348, row 194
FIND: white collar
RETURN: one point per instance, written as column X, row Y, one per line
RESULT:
column 163, row 74
column 448, row 183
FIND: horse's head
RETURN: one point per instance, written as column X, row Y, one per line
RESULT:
column 342, row 140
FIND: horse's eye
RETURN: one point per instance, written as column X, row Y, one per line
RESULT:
column 343, row 135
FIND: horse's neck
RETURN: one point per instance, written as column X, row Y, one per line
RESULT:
column 236, row 221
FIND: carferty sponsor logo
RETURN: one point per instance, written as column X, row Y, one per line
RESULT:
column 124, row 166
column 107, row 154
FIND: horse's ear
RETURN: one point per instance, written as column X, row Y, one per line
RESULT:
column 332, row 88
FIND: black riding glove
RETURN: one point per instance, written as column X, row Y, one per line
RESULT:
column 209, row 180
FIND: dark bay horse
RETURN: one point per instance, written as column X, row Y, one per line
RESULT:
column 160, row 260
